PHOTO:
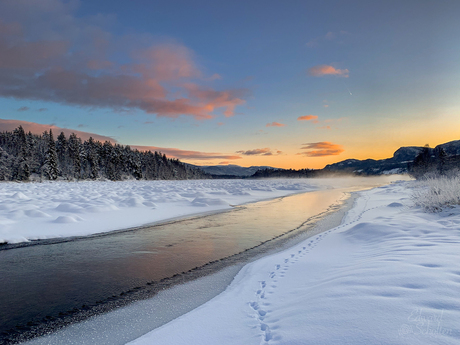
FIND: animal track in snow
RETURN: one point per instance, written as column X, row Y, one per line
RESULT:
column 269, row 287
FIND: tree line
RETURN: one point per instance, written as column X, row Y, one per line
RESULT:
column 293, row 173
column 25, row 156
column 433, row 163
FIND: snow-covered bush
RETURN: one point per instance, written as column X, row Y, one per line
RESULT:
column 434, row 193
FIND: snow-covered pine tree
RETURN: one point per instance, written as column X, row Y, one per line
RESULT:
column 62, row 155
column 25, row 154
column 20, row 170
column 5, row 165
column 74, row 145
column 32, row 147
column 92, row 158
column 50, row 167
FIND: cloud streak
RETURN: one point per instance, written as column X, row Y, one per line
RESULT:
column 275, row 124
column 260, row 152
column 185, row 154
column 324, row 70
column 321, row 149
column 37, row 128
column 312, row 118
column 49, row 54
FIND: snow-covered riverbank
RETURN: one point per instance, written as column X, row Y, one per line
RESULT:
column 30, row 211
column 390, row 274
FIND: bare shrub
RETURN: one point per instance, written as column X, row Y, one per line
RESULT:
column 436, row 192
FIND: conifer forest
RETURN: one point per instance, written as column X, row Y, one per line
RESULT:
column 27, row 156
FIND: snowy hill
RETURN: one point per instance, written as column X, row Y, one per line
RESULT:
column 394, row 165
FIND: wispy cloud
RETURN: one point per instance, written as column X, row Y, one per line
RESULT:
column 186, row 154
column 37, row 128
column 275, row 124
column 330, row 36
column 312, row 118
column 215, row 76
column 43, row 58
column 260, row 152
column 323, row 70
column 23, row 109
column 321, row 149
column 43, row 109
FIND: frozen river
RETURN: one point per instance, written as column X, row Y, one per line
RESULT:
column 52, row 284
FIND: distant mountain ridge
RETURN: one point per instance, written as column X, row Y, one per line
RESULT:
column 398, row 164
column 394, row 165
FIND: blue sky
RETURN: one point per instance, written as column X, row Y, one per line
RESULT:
column 229, row 82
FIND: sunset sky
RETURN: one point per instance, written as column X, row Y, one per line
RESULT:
column 289, row 84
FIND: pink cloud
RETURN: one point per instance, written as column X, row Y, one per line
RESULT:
column 37, row 128
column 259, row 152
column 185, row 154
column 321, row 149
column 322, row 70
column 312, row 118
column 165, row 62
column 49, row 54
column 210, row 99
column 275, row 124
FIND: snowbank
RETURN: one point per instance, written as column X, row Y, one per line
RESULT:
column 390, row 274
column 30, row 211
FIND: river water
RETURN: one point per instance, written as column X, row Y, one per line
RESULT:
column 47, row 282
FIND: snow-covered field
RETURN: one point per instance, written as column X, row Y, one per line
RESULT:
column 389, row 274
column 30, row 211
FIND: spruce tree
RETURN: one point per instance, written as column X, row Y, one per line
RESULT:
column 74, row 156
column 61, row 150
column 51, row 165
